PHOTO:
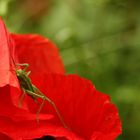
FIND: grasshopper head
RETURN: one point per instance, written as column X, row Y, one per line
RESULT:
column 19, row 72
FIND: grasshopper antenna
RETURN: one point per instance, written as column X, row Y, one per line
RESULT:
column 13, row 62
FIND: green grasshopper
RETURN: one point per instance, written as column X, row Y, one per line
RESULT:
column 31, row 90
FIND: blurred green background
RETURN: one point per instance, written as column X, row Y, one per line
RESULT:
column 98, row 39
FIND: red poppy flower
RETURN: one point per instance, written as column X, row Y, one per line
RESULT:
column 88, row 113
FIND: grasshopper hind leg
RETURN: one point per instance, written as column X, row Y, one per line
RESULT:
column 38, row 112
column 44, row 98
column 57, row 112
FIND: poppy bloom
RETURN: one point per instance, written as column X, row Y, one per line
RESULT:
column 88, row 113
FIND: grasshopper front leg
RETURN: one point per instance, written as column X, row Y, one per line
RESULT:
column 25, row 65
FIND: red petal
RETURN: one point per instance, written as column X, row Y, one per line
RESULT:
column 6, row 53
column 30, row 129
column 85, row 110
column 4, row 137
column 40, row 53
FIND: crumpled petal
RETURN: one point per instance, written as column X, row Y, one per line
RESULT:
column 30, row 129
column 86, row 111
column 19, row 124
column 40, row 53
